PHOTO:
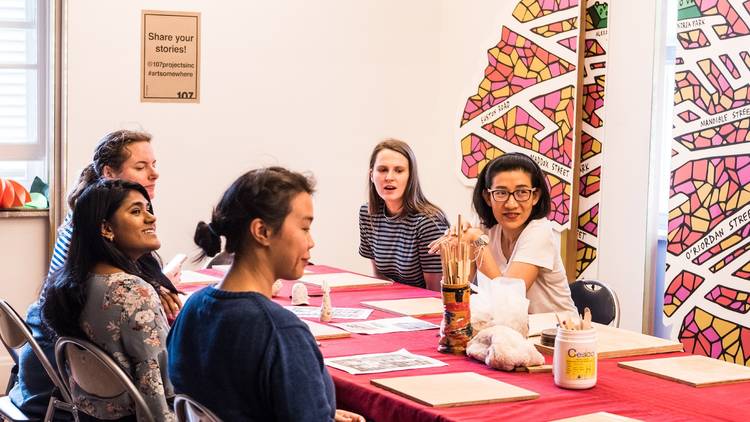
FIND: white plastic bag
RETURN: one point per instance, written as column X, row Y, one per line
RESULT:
column 503, row 348
column 500, row 301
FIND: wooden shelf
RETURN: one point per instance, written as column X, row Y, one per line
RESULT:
column 24, row 213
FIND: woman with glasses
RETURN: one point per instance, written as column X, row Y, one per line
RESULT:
column 512, row 200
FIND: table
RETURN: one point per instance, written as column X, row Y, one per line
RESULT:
column 618, row 390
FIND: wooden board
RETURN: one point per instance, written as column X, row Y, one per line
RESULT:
column 416, row 307
column 339, row 280
column 534, row 369
column 323, row 332
column 693, row 370
column 612, row 342
column 597, row 417
column 194, row 277
column 539, row 322
column 453, row 390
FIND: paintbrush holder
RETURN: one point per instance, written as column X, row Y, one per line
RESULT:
column 455, row 329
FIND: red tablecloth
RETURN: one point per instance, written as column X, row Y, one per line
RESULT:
column 618, row 390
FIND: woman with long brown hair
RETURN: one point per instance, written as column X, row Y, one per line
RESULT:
column 398, row 223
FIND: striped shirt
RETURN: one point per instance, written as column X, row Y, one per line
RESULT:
column 399, row 246
column 62, row 244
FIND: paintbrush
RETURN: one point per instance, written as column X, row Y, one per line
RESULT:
column 586, row 323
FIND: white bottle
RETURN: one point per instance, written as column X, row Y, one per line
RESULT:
column 574, row 364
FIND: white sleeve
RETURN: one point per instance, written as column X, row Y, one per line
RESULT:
column 536, row 245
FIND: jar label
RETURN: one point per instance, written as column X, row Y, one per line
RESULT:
column 580, row 365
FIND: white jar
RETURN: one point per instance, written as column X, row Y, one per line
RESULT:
column 575, row 358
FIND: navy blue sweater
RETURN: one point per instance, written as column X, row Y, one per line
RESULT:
column 247, row 358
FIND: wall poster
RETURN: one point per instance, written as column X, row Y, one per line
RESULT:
column 170, row 57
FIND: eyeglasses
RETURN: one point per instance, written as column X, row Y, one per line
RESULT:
column 502, row 195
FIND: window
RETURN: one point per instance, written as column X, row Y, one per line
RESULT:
column 25, row 90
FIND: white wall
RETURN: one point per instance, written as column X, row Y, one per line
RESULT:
column 624, row 211
column 23, row 265
column 308, row 85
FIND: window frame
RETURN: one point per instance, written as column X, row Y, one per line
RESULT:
column 38, row 150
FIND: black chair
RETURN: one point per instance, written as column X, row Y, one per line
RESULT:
column 188, row 410
column 14, row 334
column 97, row 374
column 599, row 298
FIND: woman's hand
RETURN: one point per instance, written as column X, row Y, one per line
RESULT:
column 174, row 274
column 170, row 302
column 344, row 416
column 469, row 234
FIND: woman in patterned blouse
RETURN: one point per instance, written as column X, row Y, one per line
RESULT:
column 103, row 294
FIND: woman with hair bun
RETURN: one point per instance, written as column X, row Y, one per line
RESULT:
column 232, row 348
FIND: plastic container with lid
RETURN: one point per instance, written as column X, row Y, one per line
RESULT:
column 575, row 359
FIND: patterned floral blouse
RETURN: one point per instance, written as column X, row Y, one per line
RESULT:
column 124, row 317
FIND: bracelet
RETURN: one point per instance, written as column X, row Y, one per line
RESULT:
column 482, row 240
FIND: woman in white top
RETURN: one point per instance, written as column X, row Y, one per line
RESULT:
column 512, row 200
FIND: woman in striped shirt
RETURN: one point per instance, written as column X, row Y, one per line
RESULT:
column 398, row 223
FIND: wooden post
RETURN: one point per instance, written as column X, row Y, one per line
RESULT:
column 570, row 237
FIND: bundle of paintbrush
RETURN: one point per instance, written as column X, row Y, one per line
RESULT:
column 455, row 329
column 456, row 259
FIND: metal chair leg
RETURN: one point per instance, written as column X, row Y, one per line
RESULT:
column 55, row 404
column 50, row 414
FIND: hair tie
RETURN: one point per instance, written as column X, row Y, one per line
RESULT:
column 211, row 229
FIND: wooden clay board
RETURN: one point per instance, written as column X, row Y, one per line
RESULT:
column 539, row 322
column 336, row 280
column 613, row 342
column 597, row 417
column 693, row 370
column 323, row 332
column 420, row 306
column 453, row 390
column 193, row 277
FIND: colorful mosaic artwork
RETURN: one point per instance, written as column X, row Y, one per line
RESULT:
column 585, row 256
column 525, row 101
column 743, row 272
column 590, row 183
column 528, row 10
column 679, row 290
column 706, row 334
column 730, row 133
column 589, row 221
column 709, row 219
column 476, row 154
column 592, row 137
column 726, row 243
column 735, row 300
column 693, row 39
column 729, row 64
column 712, row 190
column 729, row 258
column 569, row 43
column 516, row 63
column 557, row 27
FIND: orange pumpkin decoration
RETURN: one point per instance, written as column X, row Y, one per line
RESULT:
column 12, row 194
